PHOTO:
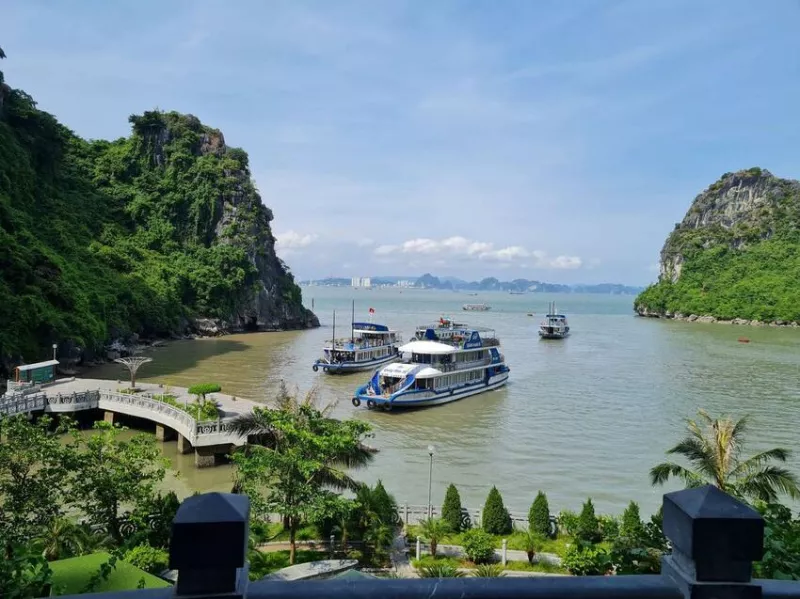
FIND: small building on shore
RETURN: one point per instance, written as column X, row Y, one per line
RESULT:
column 40, row 373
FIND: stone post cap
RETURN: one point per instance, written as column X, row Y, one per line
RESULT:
column 210, row 531
column 707, row 524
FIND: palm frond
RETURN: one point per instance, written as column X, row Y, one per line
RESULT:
column 779, row 454
column 698, row 454
column 768, row 483
column 661, row 473
column 336, row 479
column 251, row 423
column 358, row 457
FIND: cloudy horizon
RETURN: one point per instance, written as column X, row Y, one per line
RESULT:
column 557, row 141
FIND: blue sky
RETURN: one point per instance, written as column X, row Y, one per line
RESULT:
column 557, row 140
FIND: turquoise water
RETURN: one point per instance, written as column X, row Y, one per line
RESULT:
column 586, row 416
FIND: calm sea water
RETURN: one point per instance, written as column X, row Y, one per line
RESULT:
column 586, row 416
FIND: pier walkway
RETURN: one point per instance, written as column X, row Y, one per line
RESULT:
column 209, row 439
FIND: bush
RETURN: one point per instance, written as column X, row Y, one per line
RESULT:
column 207, row 410
column 439, row 571
column 567, row 522
column 451, row 510
column 539, row 516
column 489, row 571
column 147, row 558
column 385, row 506
column 609, row 527
column 496, row 519
column 588, row 528
column 587, row 561
column 478, row 546
column 203, row 389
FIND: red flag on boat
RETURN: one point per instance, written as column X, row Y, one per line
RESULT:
column 372, row 310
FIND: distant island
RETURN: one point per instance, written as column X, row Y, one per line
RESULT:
column 428, row 281
column 735, row 256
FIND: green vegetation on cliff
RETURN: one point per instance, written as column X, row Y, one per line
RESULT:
column 736, row 254
column 100, row 239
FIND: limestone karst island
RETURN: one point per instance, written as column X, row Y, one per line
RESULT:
column 355, row 299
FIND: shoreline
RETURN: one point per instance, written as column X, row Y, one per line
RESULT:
column 707, row 318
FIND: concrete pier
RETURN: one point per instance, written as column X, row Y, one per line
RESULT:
column 164, row 433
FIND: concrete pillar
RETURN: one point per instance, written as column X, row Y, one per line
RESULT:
column 205, row 457
column 164, row 433
column 183, row 445
column 505, row 552
column 333, row 545
column 108, row 417
column 405, row 513
column 419, row 548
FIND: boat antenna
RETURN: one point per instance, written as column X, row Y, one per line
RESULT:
column 353, row 324
column 333, row 341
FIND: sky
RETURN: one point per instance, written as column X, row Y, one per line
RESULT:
column 547, row 139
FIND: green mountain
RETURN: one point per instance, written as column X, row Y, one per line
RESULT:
column 159, row 233
column 735, row 255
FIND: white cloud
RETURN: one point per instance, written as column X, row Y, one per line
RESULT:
column 463, row 248
column 292, row 240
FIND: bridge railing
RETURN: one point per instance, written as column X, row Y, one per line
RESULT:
column 715, row 540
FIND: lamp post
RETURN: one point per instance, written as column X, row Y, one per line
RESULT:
column 55, row 347
column 431, row 451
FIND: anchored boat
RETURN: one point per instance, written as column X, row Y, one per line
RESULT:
column 446, row 362
column 476, row 307
column 554, row 325
column 368, row 346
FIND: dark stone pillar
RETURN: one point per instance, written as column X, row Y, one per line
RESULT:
column 108, row 417
column 205, row 457
column 209, row 545
column 184, row 446
column 164, row 433
column 715, row 540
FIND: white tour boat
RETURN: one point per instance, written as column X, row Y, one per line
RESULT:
column 554, row 325
column 368, row 346
column 446, row 362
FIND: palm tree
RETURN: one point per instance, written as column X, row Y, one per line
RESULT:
column 713, row 448
column 440, row 571
column 489, row 571
column 434, row 530
column 62, row 538
column 531, row 543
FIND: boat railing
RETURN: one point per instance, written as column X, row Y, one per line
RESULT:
column 454, row 366
column 348, row 344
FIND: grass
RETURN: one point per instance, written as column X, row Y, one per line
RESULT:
column 265, row 563
column 441, row 560
column 543, row 567
column 276, row 532
column 71, row 575
column 516, row 540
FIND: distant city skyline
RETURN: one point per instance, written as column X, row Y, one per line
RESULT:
column 548, row 140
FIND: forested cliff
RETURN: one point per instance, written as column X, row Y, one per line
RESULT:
column 735, row 255
column 156, row 234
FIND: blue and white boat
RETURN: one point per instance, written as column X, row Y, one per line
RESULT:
column 446, row 362
column 369, row 345
column 554, row 325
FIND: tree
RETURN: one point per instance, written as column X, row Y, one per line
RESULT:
column 202, row 389
column 531, row 543
column 35, row 476
column 588, row 528
column 489, row 571
column 451, row 509
column 781, row 543
column 133, row 364
column 440, row 571
column 495, row 520
column 305, row 461
column 713, row 447
column 2, row 54
column 632, row 526
column 385, row 506
column 112, row 474
column 539, row 515
column 434, row 530
column 62, row 538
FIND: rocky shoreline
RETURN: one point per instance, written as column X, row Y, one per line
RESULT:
column 645, row 313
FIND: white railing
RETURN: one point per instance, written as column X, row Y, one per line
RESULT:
column 204, row 433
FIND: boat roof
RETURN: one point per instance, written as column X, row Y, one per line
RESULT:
column 398, row 370
column 428, row 373
column 362, row 331
column 556, row 316
column 428, row 347
column 26, row 367
column 370, row 327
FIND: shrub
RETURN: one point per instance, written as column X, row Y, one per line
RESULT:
column 609, row 527
column 586, row 560
column 631, row 527
column 439, row 571
column 478, row 546
column 434, row 530
column 539, row 516
column 147, row 558
column 385, row 506
column 451, row 510
column 588, row 528
column 489, row 571
column 203, row 389
column 496, row 519
column 207, row 410
column 567, row 522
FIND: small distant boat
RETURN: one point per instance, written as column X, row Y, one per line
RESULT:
column 476, row 307
column 743, row 340
column 516, row 292
column 554, row 325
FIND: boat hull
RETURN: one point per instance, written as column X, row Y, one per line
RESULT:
column 348, row 367
column 553, row 335
column 424, row 399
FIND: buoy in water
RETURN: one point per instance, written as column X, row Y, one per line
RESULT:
column 743, row 340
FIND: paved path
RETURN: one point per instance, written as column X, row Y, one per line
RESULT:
column 399, row 556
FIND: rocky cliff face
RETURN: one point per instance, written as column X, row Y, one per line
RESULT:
column 739, row 204
column 735, row 256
